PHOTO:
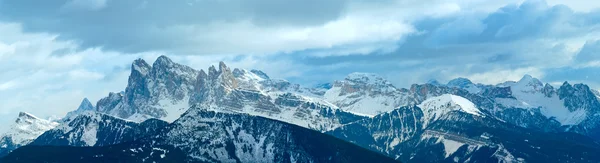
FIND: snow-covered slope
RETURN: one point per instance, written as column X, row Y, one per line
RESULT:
column 366, row 94
column 96, row 129
column 207, row 136
column 26, row 128
column 462, row 135
column 530, row 93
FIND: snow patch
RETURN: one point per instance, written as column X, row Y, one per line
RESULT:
column 434, row 107
column 450, row 146
column 89, row 135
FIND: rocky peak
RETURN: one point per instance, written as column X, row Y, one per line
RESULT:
column 366, row 78
column 212, row 72
column 26, row 128
column 366, row 83
column 260, row 74
column 530, row 81
column 565, row 89
column 459, row 82
column 578, row 96
column 223, row 67
column 548, row 90
column 227, row 76
column 139, row 67
column 25, row 117
column 85, row 105
column 433, row 82
column 162, row 61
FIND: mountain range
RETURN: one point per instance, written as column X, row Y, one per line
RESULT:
column 171, row 112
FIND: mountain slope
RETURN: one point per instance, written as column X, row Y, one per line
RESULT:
column 97, row 129
column 458, row 134
column 166, row 89
column 25, row 129
column 208, row 136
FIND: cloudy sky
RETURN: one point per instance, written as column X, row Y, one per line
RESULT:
column 53, row 53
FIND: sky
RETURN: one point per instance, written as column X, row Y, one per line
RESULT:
column 54, row 53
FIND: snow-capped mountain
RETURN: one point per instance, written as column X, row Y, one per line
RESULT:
column 236, row 114
column 97, row 129
column 201, row 135
column 166, row 89
column 243, row 91
column 26, row 128
column 449, row 128
column 367, row 94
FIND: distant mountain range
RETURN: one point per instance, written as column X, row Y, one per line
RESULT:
column 171, row 112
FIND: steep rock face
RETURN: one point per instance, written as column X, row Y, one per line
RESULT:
column 579, row 98
column 97, row 129
column 26, row 128
column 366, row 94
column 159, row 91
column 460, row 134
column 207, row 136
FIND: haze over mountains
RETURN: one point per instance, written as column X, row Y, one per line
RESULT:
column 170, row 111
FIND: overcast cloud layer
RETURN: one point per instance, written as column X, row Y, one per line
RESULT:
column 54, row 53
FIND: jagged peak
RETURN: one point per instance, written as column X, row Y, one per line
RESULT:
column 140, row 61
column 528, row 79
column 202, row 74
column 358, row 75
column 222, row 66
column 85, row 105
column 25, row 115
column 212, row 71
column 260, row 74
column 140, row 65
column 163, row 60
column 366, row 78
column 433, row 82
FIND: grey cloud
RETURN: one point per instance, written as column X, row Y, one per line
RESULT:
column 513, row 37
column 147, row 25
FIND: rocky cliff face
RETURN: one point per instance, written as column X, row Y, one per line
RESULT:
column 159, row 91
